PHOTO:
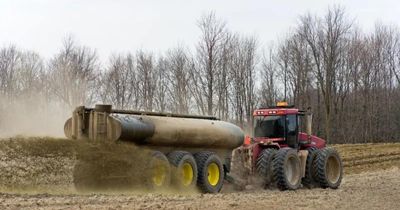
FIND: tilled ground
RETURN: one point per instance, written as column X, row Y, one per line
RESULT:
column 371, row 190
column 37, row 174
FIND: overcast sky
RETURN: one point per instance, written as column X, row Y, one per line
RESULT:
column 114, row 26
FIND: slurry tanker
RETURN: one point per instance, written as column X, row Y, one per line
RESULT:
column 196, row 151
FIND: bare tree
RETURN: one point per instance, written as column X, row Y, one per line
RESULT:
column 351, row 78
column 119, row 82
column 161, row 96
column 268, row 92
column 326, row 38
column 9, row 60
column 243, row 74
column 146, row 79
column 72, row 74
column 179, row 66
column 208, row 50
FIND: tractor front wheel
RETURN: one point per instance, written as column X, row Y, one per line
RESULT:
column 264, row 165
column 287, row 170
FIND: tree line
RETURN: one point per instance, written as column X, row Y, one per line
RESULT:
column 350, row 78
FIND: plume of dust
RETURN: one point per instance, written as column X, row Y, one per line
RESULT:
column 32, row 116
column 243, row 178
column 33, row 164
column 116, row 168
column 62, row 166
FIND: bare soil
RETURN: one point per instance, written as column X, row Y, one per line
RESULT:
column 37, row 173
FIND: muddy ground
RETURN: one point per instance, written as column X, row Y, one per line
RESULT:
column 37, row 173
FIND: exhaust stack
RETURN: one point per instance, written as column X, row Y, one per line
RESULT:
column 309, row 122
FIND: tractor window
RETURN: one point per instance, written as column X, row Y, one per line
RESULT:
column 291, row 124
column 269, row 126
column 291, row 138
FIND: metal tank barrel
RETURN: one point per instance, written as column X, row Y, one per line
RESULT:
column 152, row 128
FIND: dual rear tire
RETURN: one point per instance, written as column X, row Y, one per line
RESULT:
column 328, row 168
column 323, row 168
column 286, row 169
column 280, row 166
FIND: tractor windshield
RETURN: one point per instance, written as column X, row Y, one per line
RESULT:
column 269, row 126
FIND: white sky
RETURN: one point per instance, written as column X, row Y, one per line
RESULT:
column 114, row 26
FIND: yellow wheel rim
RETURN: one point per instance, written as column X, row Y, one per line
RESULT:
column 159, row 175
column 213, row 174
column 187, row 174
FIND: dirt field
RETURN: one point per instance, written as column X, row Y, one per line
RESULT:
column 37, row 174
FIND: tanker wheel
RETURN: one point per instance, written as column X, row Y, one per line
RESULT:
column 328, row 168
column 210, row 174
column 159, row 171
column 184, row 175
column 287, row 171
column 264, row 165
column 309, row 180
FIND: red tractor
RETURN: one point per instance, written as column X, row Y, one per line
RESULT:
column 281, row 152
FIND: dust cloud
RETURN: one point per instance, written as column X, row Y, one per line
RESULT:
column 32, row 117
column 69, row 166
column 62, row 166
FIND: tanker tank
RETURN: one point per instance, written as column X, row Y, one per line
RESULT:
column 152, row 129
column 186, row 150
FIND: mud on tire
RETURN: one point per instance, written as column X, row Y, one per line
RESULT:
column 264, row 165
column 328, row 168
column 287, row 171
column 210, row 174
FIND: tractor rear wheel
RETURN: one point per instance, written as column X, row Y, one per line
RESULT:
column 184, row 175
column 328, row 168
column 210, row 176
column 287, row 171
column 264, row 165
column 309, row 180
column 159, row 171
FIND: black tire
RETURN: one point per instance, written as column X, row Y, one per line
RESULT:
column 158, row 174
column 309, row 180
column 287, row 171
column 204, row 160
column 264, row 165
column 183, row 161
column 328, row 168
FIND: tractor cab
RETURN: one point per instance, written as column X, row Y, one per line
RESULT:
column 282, row 124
